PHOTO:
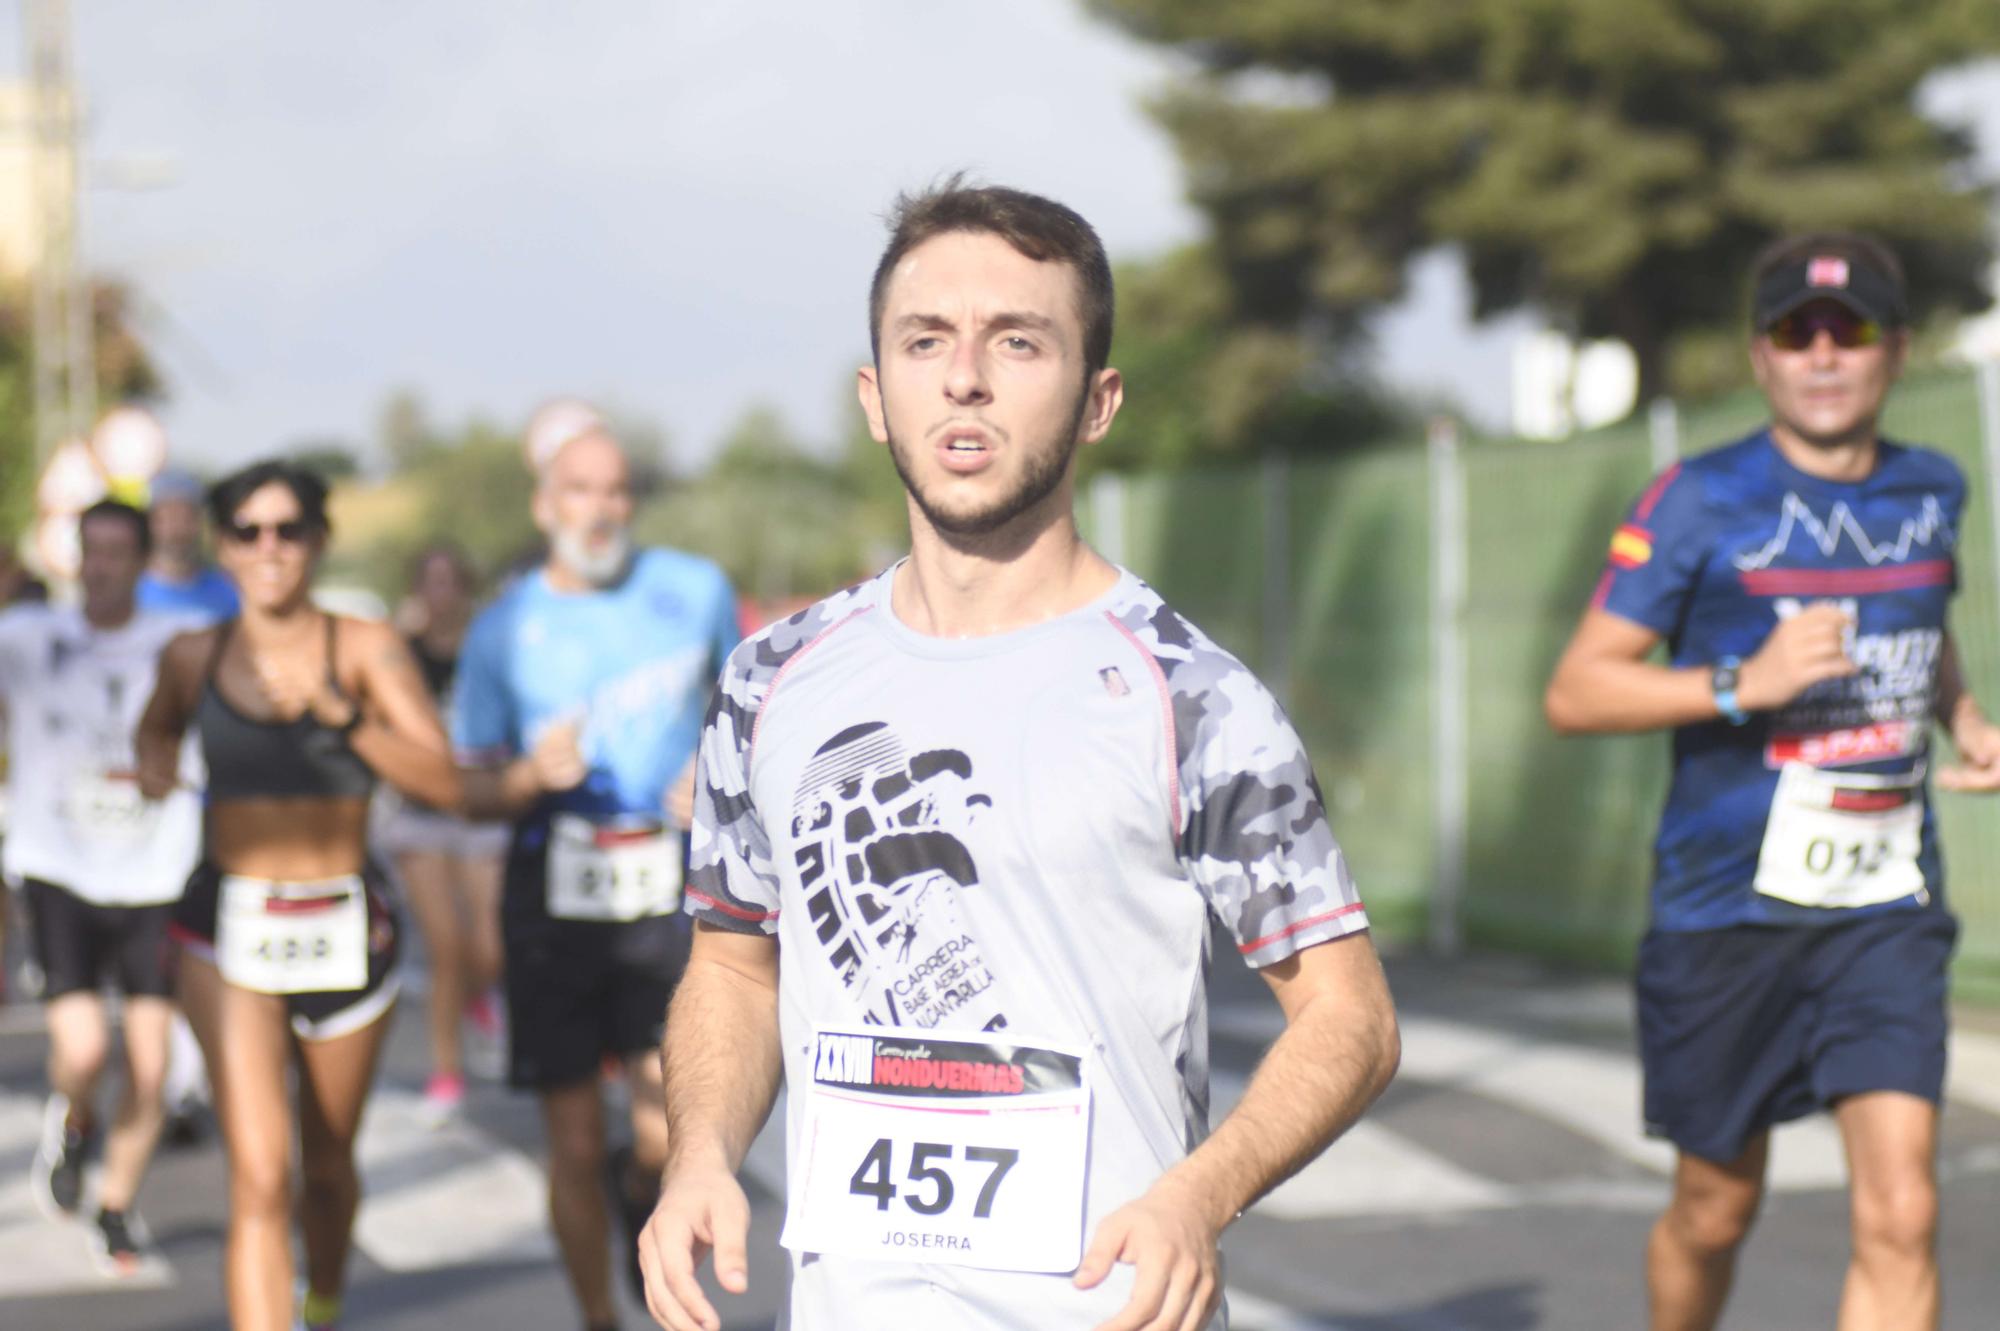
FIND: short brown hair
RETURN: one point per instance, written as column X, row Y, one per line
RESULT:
column 1854, row 246
column 1039, row 228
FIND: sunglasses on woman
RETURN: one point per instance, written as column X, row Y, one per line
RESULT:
column 292, row 531
column 1796, row 331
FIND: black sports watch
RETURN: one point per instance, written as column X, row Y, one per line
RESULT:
column 1722, row 683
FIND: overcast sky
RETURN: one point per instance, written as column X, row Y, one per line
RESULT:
column 669, row 208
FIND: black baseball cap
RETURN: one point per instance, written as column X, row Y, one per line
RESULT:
column 1844, row 277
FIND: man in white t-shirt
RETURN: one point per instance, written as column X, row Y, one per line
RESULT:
column 100, row 866
column 959, row 835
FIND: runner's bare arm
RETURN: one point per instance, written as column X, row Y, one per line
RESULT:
column 399, row 735
column 1604, row 683
column 156, row 744
column 1338, row 1051
column 508, row 790
column 1975, row 737
column 723, row 1066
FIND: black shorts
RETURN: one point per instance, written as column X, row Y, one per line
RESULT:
column 315, row 1016
column 80, row 945
column 1741, row 1029
column 579, row 990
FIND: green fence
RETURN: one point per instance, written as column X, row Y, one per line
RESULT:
column 1324, row 576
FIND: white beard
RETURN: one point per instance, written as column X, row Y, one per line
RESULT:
column 599, row 567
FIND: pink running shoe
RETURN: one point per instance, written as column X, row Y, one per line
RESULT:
column 443, row 1095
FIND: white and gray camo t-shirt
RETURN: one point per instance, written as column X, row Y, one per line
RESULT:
column 1023, row 832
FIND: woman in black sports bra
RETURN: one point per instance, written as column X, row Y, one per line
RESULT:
column 288, row 935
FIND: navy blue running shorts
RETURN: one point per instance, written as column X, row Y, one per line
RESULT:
column 580, row 990
column 1744, row 1028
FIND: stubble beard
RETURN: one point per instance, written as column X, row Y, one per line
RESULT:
column 1046, row 466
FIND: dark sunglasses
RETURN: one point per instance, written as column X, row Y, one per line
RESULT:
column 293, row 531
column 1796, row 331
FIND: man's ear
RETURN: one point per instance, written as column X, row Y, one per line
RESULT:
column 868, row 387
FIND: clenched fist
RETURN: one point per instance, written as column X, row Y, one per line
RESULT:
column 1801, row 651
column 557, row 758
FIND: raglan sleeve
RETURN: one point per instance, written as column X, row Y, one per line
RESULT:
column 1657, row 554
column 18, row 626
column 733, row 883
column 1254, row 835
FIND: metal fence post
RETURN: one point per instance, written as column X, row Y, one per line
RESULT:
column 1663, row 432
column 1450, row 781
column 1107, row 516
column 1988, row 375
column 1276, row 611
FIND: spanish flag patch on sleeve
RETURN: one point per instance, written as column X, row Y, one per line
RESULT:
column 1631, row 546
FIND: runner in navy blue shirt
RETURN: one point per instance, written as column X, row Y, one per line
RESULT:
column 1796, row 960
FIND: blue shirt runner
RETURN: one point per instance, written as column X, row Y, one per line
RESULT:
column 1717, row 551
column 633, row 664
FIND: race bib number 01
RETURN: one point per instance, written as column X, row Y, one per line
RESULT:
column 609, row 872
column 293, row 938
column 1842, row 839
column 961, row 1151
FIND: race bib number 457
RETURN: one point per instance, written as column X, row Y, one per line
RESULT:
column 921, row 1149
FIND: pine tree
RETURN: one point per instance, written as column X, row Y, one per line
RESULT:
column 1614, row 164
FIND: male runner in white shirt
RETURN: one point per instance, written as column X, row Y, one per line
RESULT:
column 959, row 834
column 100, row 865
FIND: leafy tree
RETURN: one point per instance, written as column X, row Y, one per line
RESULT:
column 331, row 458
column 1200, row 385
column 467, row 485
column 1612, row 163
column 779, row 516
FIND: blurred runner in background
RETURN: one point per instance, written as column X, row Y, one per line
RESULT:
column 289, row 939
column 579, row 699
column 1796, row 957
column 179, row 580
column 100, row 865
column 17, row 586
column 450, row 866
column 179, row 577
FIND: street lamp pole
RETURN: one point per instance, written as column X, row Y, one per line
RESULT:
column 65, row 379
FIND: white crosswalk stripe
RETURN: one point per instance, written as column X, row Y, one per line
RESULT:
column 1590, row 1091
column 443, row 1196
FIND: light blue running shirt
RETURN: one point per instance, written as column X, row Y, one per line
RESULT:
column 633, row 663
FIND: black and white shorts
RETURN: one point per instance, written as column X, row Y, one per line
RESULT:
column 328, row 1014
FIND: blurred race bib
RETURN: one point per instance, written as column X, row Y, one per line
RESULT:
column 612, row 872
column 102, row 805
column 293, row 938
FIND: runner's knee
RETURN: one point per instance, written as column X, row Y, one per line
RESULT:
column 337, row 1178
column 1897, row 1219
column 147, row 1080
column 260, row 1186
column 79, row 1058
column 1714, row 1221
column 576, row 1152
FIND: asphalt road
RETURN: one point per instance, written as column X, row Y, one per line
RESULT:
column 1501, row 1185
